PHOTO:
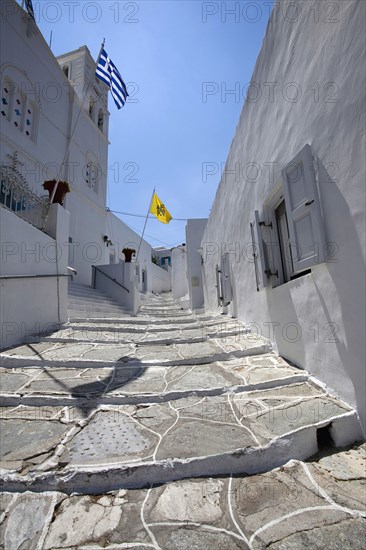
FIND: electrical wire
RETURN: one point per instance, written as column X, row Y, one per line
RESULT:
column 144, row 215
column 139, row 230
column 154, row 238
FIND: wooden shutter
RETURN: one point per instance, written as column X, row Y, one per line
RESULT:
column 258, row 252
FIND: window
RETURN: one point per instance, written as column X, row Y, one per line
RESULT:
column 291, row 239
column 67, row 71
column 6, row 98
column 285, row 252
column 91, row 108
column 18, row 108
column 29, row 119
column 92, row 175
column 100, row 120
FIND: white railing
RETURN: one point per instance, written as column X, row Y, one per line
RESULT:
column 17, row 196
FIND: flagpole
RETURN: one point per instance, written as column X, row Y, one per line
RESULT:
column 52, row 196
column 143, row 231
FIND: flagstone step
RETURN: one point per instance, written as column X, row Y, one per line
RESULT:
column 162, row 310
column 173, row 313
column 136, row 325
column 149, row 354
column 139, row 320
column 299, row 505
column 148, row 337
column 112, row 403
column 81, row 385
column 133, row 446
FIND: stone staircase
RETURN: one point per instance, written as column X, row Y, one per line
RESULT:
column 86, row 302
column 163, row 396
column 171, row 431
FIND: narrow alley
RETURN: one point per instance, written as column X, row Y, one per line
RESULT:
column 170, row 430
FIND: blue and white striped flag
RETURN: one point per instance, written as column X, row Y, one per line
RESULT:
column 107, row 71
column 29, row 7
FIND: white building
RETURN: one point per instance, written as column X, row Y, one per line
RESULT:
column 54, row 125
column 163, row 256
column 294, row 185
column 194, row 233
column 180, row 274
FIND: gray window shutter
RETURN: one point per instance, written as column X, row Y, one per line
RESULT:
column 227, row 293
column 303, row 211
column 258, row 252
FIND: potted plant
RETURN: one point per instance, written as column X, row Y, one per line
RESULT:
column 128, row 252
column 63, row 187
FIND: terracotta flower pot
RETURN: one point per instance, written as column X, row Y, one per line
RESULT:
column 128, row 252
column 62, row 188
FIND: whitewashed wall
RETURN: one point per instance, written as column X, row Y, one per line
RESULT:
column 313, row 58
column 179, row 272
column 194, row 233
column 163, row 254
column 28, row 61
column 30, row 306
column 126, row 292
column 160, row 279
column 123, row 236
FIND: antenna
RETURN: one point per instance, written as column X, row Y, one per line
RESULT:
column 50, row 40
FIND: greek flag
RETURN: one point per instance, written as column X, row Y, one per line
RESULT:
column 29, row 7
column 107, row 71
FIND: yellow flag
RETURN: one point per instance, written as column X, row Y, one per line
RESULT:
column 158, row 209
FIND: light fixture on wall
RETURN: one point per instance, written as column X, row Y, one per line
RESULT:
column 107, row 240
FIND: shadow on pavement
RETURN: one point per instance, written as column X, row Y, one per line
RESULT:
column 87, row 394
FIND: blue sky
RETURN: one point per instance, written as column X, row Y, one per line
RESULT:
column 180, row 60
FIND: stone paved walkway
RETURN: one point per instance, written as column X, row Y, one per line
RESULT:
column 173, row 431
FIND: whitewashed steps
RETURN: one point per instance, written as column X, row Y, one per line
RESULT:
column 134, row 446
column 86, row 303
column 90, row 417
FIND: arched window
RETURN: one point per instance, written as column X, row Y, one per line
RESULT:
column 7, row 94
column 17, row 106
column 100, row 120
column 92, row 175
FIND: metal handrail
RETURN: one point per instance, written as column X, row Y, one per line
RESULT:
column 111, row 278
column 33, row 276
column 17, row 196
